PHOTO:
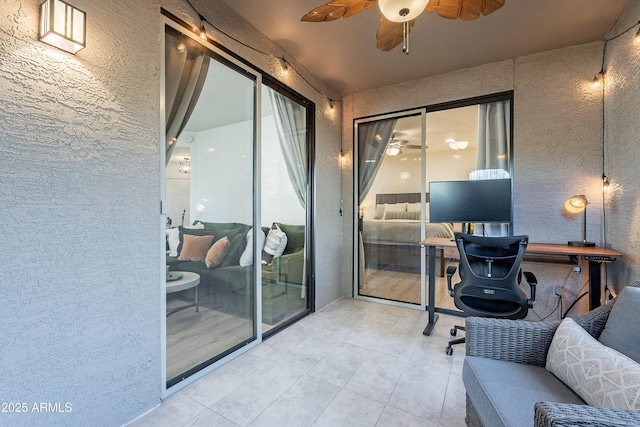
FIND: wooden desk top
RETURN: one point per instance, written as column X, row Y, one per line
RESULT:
column 539, row 248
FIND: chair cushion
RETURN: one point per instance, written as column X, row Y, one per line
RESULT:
column 624, row 323
column 504, row 393
column 600, row 375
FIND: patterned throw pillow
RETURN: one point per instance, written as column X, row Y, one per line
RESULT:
column 600, row 375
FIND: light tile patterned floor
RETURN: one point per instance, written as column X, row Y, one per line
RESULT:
column 354, row 363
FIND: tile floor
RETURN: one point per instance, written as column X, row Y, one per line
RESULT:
column 353, row 363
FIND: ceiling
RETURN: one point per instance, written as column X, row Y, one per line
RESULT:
column 343, row 53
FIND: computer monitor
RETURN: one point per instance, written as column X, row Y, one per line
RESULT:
column 486, row 201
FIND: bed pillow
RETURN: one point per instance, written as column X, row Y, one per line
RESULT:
column 415, row 215
column 246, row 258
column 395, row 207
column 194, row 248
column 379, row 211
column 412, row 207
column 600, row 375
column 217, row 252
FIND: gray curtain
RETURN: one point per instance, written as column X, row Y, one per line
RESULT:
column 291, row 124
column 373, row 138
column 494, row 136
column 185, row 74
column 494, row 152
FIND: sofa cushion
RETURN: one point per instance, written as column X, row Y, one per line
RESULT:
column 217, row 252
column 194, row 248
column 246, row 258
column 623, row 323
column 295, row 237
column 600, row 375
column 191, row 232
column 504, row 393
column 237, row 243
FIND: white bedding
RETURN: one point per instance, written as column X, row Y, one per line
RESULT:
column 402, row 231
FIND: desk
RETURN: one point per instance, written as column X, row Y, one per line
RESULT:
column 595, row 255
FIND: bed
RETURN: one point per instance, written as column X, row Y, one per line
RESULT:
column 392, row 238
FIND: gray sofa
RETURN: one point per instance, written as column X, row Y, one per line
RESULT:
column 228, row 288
column 505, row 377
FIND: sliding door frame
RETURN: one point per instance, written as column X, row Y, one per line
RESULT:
column 356, row 191
column 485, row 99
column 227, row 57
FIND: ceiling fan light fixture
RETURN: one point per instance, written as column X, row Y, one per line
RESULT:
column 393, row 151
column 402, row 10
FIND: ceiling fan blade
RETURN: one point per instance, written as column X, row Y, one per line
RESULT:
column 467, row 10
column 412, row 147
column 336, row 9
column 389, row 34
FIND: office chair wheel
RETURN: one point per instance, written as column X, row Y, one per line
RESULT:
column 448, row 350
column 453, row 332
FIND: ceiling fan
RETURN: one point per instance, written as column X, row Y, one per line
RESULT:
column 398, row 16
column 395, row 146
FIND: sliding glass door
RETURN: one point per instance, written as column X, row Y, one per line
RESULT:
column 284, row 206
column 397, row 157
column 210, row 186
column 391, row 208
column 238, row 203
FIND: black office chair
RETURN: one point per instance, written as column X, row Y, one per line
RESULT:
column 490, row 278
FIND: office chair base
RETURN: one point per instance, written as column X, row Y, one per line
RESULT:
column 454, row 331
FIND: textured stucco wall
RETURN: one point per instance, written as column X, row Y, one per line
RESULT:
column 79, row 165
column 557, row 143
column 81, row 289
column 622, row 147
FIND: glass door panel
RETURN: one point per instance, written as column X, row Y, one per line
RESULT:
column 284, row 185
column 391, row 212
column 210, row 292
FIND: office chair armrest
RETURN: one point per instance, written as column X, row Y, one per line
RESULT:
column 548, row 414
column 518, row 341
column 451, row 270
column 533, row 282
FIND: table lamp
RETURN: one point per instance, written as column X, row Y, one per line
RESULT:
column 577, row 204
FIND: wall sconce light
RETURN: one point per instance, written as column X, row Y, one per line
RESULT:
column 577, row 204
column 343, row 159
column 331, row 103
column 62, row 26
column 605, row 183
column 636, row 38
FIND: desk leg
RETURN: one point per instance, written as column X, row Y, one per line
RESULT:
column 431, row 303
column 595, row 293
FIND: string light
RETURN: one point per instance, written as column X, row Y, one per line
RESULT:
column 597, row 80
column 285, row 66
column 203, row 30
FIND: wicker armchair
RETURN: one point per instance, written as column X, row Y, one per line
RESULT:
column 528, row 342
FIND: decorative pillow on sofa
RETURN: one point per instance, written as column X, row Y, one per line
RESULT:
column 173, row 239
column 600, row 375
column 275, row 244
column 246, row 258
column 194, row 248
column 192, row 231
column 624, row 323
column 217, row 252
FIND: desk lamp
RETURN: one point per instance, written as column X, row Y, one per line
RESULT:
column 577, row 204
